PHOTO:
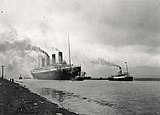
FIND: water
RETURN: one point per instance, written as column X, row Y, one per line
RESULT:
column 101, row 97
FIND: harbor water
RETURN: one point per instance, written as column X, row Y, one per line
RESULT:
column 101, row 97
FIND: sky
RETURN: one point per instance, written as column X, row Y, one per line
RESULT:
column 117, row 31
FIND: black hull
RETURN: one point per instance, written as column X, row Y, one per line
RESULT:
column 120, row 79
column 59, row 74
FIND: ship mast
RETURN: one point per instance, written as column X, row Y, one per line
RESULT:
column 69, row 51
column 126, row 67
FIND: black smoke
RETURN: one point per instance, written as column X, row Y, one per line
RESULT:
column 18, row 55
column 104, row 62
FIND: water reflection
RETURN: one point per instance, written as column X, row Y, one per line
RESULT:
column 62, row 96
column 56, row 94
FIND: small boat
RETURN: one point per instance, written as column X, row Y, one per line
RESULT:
column 121, row 76
column 78, row 78
column 81, row 77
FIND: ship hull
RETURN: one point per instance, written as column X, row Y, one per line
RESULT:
column 120, row 79
column 59, row 74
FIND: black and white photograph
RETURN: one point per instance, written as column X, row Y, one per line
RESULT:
column 79, row 57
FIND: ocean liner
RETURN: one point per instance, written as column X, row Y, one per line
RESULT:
column 53, row 70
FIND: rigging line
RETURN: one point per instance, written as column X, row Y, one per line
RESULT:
column 82, row 59
column 76, row 59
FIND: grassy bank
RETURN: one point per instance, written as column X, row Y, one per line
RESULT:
column 18, row 100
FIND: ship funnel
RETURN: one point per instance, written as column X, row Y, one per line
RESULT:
column 60, row 57
column 43, row 62
column 120, row 70
column 53, row 58
column 47, row 60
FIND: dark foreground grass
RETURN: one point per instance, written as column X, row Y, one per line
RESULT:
column 18, row 100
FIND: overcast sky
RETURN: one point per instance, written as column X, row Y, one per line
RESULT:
column 116, row 30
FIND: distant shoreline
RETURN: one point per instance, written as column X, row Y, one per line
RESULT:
column 146, row 79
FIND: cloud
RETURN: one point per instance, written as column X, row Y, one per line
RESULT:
column 126, row 23
column 18, row 55
column 118, row 23
column 115, row 30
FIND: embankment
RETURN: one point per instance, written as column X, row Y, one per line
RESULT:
column 18, row 100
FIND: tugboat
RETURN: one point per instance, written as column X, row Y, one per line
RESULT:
column 121, row 76
column 81, row 77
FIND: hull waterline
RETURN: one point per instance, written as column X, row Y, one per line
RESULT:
column 120, row 79
column 59, row 74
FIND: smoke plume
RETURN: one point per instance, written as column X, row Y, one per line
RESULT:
column 18, row 55
column 39, row 50
column 55, row 49
column 104, row 62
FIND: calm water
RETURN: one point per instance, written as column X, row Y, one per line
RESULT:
column 102, row 97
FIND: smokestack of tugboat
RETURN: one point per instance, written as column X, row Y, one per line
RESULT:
column 60, row 57
column 120, row 70
column 53, row 58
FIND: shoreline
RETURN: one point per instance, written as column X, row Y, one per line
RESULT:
column 18, row 100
